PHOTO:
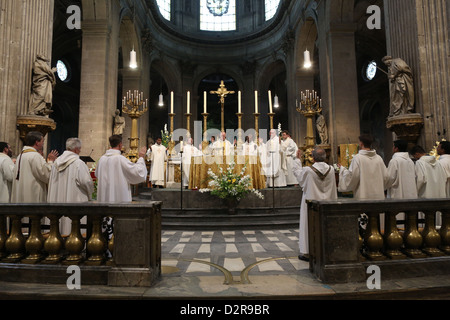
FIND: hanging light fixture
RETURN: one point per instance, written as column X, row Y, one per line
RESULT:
column 276, row 102
column 161, row 100
column 307, row 59
column 133, row 60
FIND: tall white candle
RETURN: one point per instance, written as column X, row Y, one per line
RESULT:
column 188, row 102
column 270, row 102
column 256, row 101
column 239, row 102
column 205, row 102
column 171, row 102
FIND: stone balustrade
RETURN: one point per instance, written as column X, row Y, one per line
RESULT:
column 129, row 256
column 348, row 236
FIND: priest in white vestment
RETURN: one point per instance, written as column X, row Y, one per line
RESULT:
column 223, row 147
column 158, row 158
column 32, row 172
column 275, row 169
column 116, row 174
column 401, row 171
column 70, row 181
column 318, row 182
column 289, row 151
column 6, row 172
column 443, row 151
column 189, row 151
column 249, row 148
column 367, row 174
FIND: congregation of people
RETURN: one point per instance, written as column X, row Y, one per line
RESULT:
column 67, row 179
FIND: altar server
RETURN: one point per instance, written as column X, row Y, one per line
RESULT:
column 32, row 172
column 401, row 171
column 443, row 151
column 6, row 172
column 70, row 180
column 158, row 158
column 318, row 182
column 275, row 169
column 431, row 178
column 367, row 174
column 289, row 151
column 116, row 174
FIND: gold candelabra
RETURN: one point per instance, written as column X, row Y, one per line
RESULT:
column 271, row 116
column 239, row 115
column 188, row 124
column 257, row 126
column 135, row 107
column 312, row 106
column 171, row 142
column 205, row 129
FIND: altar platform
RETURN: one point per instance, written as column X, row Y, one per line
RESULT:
column 194, row 210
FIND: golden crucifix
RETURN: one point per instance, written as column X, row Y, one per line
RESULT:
column 222, row 92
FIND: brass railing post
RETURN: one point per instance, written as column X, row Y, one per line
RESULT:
column 3, row 237
column 54, row 244
column 431, row 238
column 74, row 243
column 412, row 238
column 35, row 242
column 445, row 232
column 15, row 244
column 97, row 243
column 392, row 237
column 373, row 238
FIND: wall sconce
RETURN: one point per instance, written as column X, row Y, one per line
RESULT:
column 307, row 59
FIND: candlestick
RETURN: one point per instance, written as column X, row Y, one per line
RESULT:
column 171, row 102
column 188, row 102
column 256, row 101
column 270, row 102
column 205, row 102
column 239, row 102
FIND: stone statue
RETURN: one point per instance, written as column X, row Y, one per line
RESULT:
column 44, row 82
column 322, row 129
column 119, row 123
column 401, row 86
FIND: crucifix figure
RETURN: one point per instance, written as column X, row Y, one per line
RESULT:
column 222, row 92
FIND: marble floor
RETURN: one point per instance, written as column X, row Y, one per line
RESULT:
column 237, row 255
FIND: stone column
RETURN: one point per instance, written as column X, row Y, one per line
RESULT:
column 26, row 29
column 417, row 31
column 99, row 70
column 338, row 79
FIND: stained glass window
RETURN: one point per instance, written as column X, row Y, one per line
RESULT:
column 218, row 15
column 271, row 8
column 164, row 8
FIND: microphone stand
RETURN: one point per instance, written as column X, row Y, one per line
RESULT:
column 273, row 184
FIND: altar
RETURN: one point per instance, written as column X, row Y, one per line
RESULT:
column 200, row 165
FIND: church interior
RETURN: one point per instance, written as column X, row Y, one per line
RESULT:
column 315, row 68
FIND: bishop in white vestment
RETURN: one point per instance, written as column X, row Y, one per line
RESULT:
column 6, row 172
column 116, row 174
column 223, row 147
column 189, row 151
column 289, row 149
column 275, row 169
column 158, row 157
column 318, row 182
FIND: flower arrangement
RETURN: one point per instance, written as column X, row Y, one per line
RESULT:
column 230, row 185
column 166, row 137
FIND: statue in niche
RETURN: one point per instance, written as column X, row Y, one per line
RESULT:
column 119, row 123
column 322, row 129
column 44, row 81
column 401, row 86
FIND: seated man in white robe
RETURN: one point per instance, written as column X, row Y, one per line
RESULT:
column 275, row 169
column 289, row 149
column 318, row 182
column 367, row 175
column 158, row 158
column 116, row 174
column 70, row 180
column 443, row 151
column 6, row 172
column 32, row 172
